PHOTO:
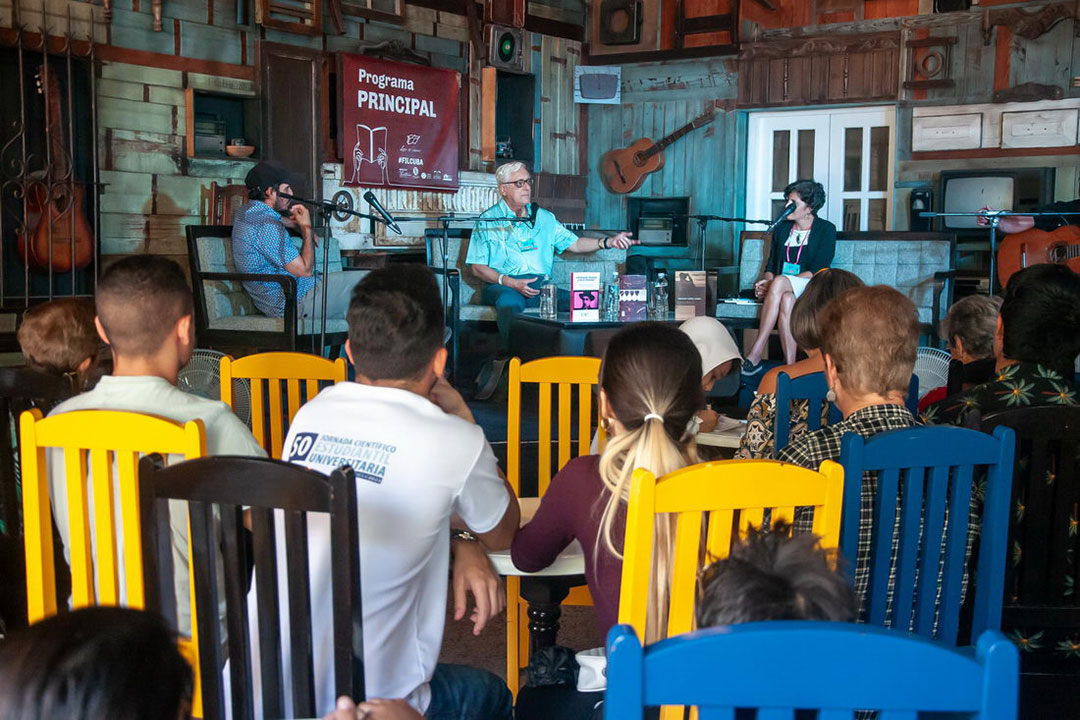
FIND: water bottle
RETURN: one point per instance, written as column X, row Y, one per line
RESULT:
column 611, row 300
column 660, row 297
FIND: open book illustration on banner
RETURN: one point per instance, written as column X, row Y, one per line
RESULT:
column 370, row 149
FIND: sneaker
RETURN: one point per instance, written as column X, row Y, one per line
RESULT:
column 750, row 369
column 487, row 380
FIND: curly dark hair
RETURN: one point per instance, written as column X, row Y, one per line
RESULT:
column 811, row 192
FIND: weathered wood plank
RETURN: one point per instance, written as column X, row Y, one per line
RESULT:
column 179, row 195
column 133, row 115
column 142, row 74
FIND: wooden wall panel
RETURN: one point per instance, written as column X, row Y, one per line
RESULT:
column 707, row 165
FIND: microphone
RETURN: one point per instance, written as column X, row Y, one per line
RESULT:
column 373, row 201
column 533, row 208
column 788, row 209
column 338, row 205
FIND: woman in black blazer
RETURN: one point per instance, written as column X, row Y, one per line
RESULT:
column 801, row 245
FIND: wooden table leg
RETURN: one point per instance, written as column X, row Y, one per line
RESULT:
column 545, row 596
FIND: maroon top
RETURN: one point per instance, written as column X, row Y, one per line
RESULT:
column 571, row 510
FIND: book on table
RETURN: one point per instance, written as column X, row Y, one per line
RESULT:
column 585, row 297
column 633, row 298
column 689, row 294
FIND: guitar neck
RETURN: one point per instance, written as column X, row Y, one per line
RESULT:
column 659, row 145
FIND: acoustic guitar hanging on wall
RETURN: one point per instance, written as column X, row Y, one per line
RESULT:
column 1032, row 247
column 623, row 170
column 57, row 234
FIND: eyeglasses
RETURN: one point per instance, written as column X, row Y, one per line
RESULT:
column 520, row 183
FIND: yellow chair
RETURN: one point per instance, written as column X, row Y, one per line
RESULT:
column 563, row 373
column 299, row 372
column 730, row 496
column 93, row 442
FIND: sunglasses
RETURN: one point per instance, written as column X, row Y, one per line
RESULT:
column 520, row 183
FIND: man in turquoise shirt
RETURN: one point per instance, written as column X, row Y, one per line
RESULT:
column 513, row 258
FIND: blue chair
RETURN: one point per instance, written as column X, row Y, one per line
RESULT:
column 932, row 470
column 813, row 388
column 836, row 668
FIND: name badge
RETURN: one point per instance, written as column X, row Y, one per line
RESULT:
column 527, row 243
column 790, row 269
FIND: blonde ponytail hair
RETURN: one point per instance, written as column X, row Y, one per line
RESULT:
column 651, row 377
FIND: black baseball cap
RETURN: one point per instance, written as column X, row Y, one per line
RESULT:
column 267, row 174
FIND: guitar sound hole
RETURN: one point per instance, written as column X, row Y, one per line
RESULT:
column 1056, row 254
column 639, row 159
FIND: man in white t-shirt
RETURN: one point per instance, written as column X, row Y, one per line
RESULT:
column 144, row 313
column 420, row 462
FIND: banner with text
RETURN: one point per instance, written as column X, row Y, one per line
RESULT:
column 399, row 124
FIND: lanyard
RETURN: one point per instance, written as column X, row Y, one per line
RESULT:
column 787, row 248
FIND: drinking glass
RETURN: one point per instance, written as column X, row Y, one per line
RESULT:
column 548, row 294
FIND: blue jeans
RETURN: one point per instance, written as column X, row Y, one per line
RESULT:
column 459, row 692
column 509, row 302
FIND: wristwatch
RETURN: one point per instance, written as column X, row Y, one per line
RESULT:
column 462, row 534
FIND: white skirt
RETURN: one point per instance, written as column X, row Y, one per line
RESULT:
column 798, row 284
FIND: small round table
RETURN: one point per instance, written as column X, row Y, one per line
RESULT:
column 545, row 589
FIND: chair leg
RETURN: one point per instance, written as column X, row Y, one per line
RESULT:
column 513, row 633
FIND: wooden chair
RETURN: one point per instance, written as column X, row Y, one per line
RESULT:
column 223, row 487
column 20, row 390
column 813, row 388
column 560, row 374
column 922, row 483
column 1042, row 605
column 96, row 441
column 299, row 373
column 226, row 316
column 836, row 669
column 727, row 497
column 220, row 202
column 731, row 496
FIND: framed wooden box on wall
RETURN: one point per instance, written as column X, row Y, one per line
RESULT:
column 386, row 10
column 297, row 16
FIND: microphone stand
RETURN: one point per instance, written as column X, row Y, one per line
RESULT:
column 703, row 220
column 326, row 209
column 993, row 218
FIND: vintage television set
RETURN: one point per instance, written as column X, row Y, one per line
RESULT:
column 1014, row 189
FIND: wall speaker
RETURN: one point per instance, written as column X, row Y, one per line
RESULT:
column 921, row 200
column 505, row 48
column 620, row 22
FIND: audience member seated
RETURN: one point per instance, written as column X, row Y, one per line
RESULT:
column 59, row 338
column 758, row 442
column 1036, row 342
column 869, row 337
column 968, row 329
column 144, row 311
column 95, row 663
column 649, row 393
column 774, row 575
column 719, row 358
column 420, row 459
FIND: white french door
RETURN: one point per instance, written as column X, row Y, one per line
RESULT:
column 848, row 150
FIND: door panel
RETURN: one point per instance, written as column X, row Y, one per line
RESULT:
column 291, row 80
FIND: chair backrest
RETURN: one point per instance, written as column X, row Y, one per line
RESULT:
column 813, row 388
column 20, row 390
column 810, row 387
column 224, row 199
column 299, row 374
column 837, row 668
column 222, row 487
column 730, row 496
column 92, row 441
column 1045, row 492
column 562, row 373
column 922, row 480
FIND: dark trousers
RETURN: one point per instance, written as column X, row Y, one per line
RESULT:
column 459, row 692
column 509, row 302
